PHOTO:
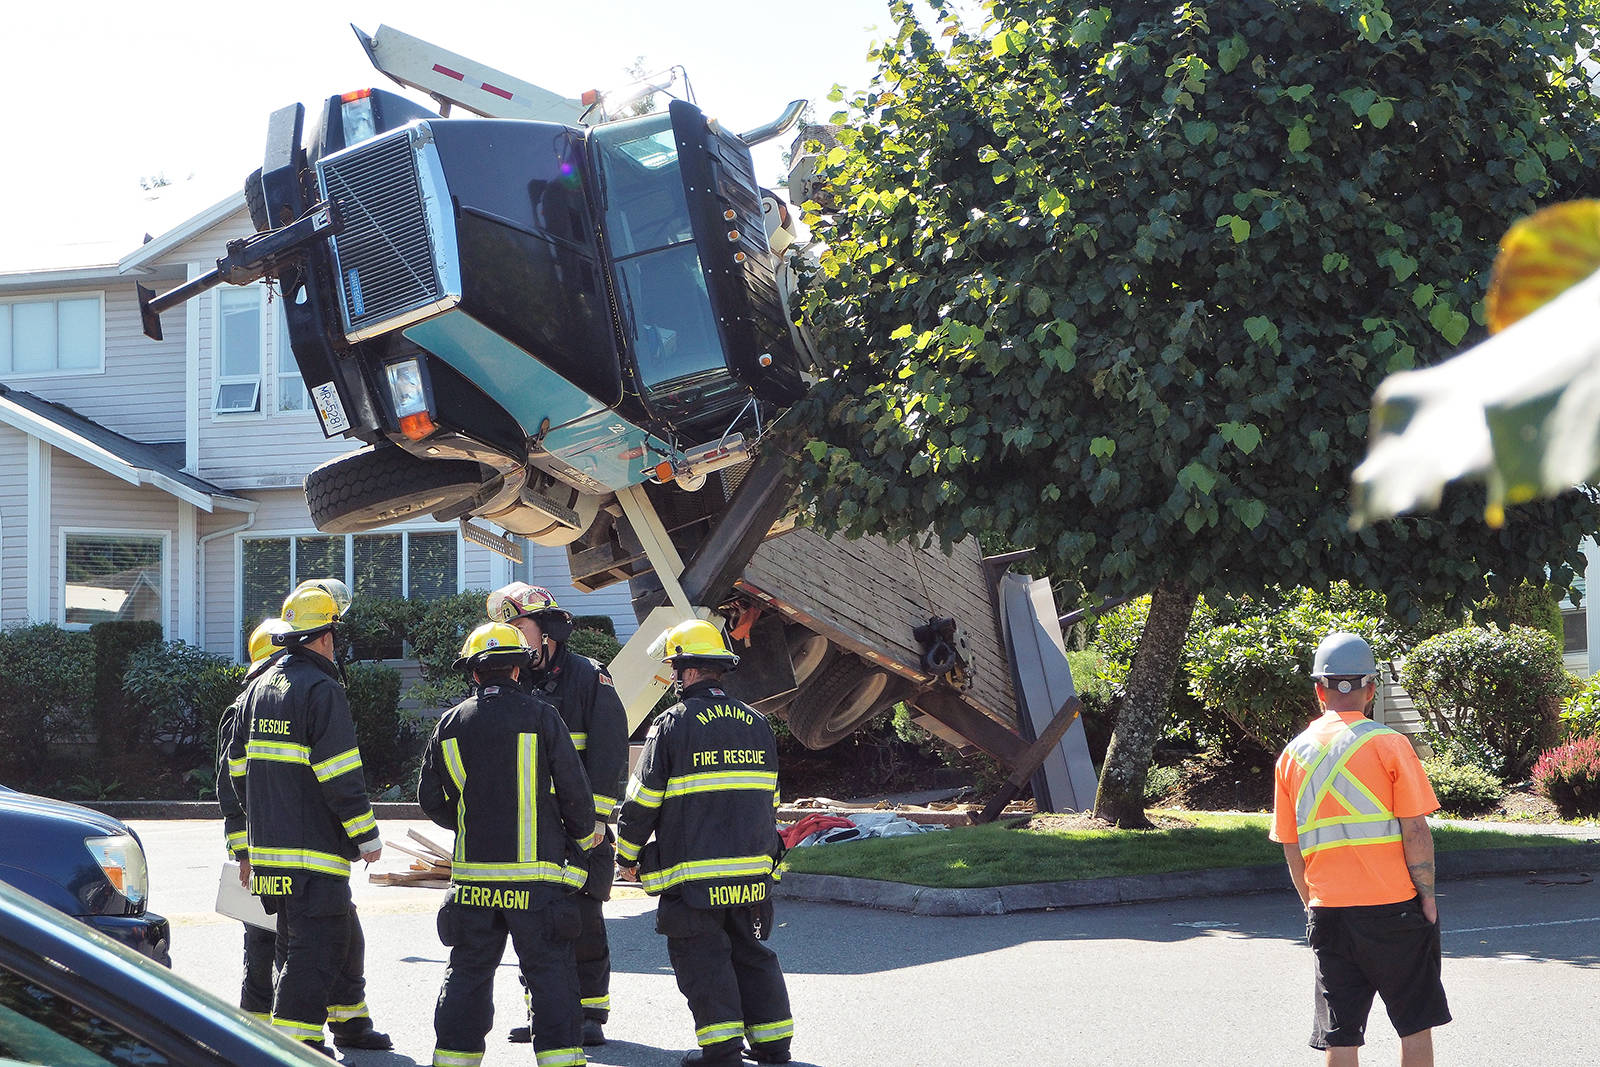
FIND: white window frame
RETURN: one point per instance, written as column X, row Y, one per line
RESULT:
column 99, row 296
column 63, row 532
column 218, row 379
column 348, row 577
column 281, row 380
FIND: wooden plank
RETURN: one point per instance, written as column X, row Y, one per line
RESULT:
column 431, row 846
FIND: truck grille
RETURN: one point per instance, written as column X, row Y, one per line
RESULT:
column 385, row 255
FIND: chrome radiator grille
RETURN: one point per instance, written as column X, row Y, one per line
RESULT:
column 385, row 256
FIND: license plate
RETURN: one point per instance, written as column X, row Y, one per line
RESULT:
column 329, row 410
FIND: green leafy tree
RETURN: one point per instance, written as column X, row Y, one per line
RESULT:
column 1119, row 281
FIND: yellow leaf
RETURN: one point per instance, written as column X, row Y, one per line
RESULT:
column 1541, row 257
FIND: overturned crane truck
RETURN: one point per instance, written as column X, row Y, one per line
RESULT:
column 578, row 330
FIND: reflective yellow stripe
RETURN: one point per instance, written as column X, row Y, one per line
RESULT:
column 720, row 781
column 701, row 870
column 238, row 840
column 443, row 1057
column 277, row 751
column 534, row 871
column 338, row 1013
column 452, row 763
column 261, row 1016
column 1365, row 821
column 592, row 840
column 527, row 809
column 770, row 1031
column 298, row 1031
column 360, row 824
column 627, row 850
column 604, row 805
column 598, row 1003
column 299, row 858
column 236, row 767
column 334, row 766
column 560, row 1057
column 580, row 741
column 710, row 1035
column 639, row 793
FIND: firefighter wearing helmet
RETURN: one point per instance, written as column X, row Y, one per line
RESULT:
column 582, row 692
column 295, row 767
column 348, row 1017
column 502, row 772
column 698, row 831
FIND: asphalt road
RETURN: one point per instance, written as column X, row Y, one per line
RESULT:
column 1224, row 981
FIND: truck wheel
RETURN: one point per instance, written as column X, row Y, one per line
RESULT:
column 375, row 487
column 844, row 692
column 255, row 198
column 807, row 650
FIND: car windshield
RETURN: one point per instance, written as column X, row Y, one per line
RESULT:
column 666, row 309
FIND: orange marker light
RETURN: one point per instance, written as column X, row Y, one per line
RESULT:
column 417, row 426
column 590, row 98
column 355, row 94
column 664, row 471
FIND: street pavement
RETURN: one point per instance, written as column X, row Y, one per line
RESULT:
column 1223, row 981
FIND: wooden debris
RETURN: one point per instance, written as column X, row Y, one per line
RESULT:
column 431, row 846
column 429, row 869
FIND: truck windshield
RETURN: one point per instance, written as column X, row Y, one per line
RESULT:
column 666, row 311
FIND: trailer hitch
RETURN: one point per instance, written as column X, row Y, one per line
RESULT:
column 249, row 259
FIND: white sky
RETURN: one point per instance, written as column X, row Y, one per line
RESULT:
column 101, row 94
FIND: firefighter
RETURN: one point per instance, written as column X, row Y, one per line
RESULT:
column 582, row 692
column 297, row 772
column 348, row 1016
column 502, row 772
column 698, row 831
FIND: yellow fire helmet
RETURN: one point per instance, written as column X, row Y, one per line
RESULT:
column 496, row 645
column 692, row 643
column 313, row 607
column 263, row 645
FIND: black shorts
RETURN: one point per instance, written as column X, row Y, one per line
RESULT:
column 1387, row 949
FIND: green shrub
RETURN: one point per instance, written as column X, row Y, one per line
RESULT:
column 1580, row 713
column 1256, row 672
column 436, row 640
column 1570, row 777
column 1524, row 604
column 1189, row 723
column 383, row 734
column 598, row 645
column 1488, row 696
column 1463, row 789
column 181, row 691
column 1161, row 782
column 47, row 676
column 119, row 728
column 377, row 628
column 604, row 623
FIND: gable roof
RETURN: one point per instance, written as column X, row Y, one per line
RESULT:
column 122, row 457
column 146, row 254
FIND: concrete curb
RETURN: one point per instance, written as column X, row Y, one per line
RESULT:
column 207, row 809
column 1140, row 888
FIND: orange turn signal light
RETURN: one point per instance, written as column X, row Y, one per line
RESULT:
column 664, row 471
column 590, row 98
column 355, row 94
column 417, row 426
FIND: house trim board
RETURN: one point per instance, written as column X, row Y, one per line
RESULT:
column 188, row 553
column 38, row 529
column 191, row 383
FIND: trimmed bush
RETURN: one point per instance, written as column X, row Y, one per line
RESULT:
column 1570, row 777
column 118, row 726
column 596, row 644
column 1489, row 696
column 383, row 734
column 377, row 628
column 1256, row 672
column 604, row 623
column 1524, row 604
column 1190, row 725
column 181, row 691
column 48, row 679
column 1462, row 788
column 1580, row 713
column 436, row 640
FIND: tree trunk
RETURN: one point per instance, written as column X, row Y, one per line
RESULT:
column 1144, row 706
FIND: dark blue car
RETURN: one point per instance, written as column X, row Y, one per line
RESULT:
column 81, row 862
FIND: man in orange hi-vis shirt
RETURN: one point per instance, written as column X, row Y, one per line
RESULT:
column 1351, row 807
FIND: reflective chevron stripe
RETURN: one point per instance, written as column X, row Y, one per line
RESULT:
column 1366, row 821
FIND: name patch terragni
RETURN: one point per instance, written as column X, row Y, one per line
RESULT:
column 478, row 896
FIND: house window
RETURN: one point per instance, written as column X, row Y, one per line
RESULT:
column 292, row 394
column 112, row 577
column 238, row 351
column 60, row 335
column 402, row 563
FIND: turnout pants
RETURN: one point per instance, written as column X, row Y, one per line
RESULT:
column 263, row 960
column 314, row 935
column 543, row 936
column 732, row 981
column 593, row 948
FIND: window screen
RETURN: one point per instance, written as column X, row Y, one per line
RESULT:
column 112, row 577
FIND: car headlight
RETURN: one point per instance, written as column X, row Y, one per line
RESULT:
column 122, row 860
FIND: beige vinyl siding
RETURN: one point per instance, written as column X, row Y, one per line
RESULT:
column 264, row 449
column 548, row 567
column 13, row 527
column 140, row 391
column 86, row 499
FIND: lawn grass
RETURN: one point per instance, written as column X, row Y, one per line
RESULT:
column 972, row 856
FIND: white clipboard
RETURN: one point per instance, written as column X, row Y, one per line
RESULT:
column 237, row 902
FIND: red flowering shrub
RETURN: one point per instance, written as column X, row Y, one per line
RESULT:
column 1570, row 777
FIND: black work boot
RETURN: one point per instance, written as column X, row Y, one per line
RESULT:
column 722, row 1054
column 359, row 1033
column 520, row 1035
column 318, row 1046
column 764, row 1052
column 592, row 1033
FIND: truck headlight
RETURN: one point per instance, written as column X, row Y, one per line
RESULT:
column 405, row 387
column 122, row 860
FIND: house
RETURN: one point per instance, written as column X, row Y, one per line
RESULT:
column 162, row 480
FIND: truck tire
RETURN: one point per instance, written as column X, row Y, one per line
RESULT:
column 842, row 694
column 374, row 487
column 255, row 198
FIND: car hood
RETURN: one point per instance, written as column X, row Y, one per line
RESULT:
column 45, row 855
column 18, row 808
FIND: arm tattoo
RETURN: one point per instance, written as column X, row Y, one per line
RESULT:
column 1422, row 877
